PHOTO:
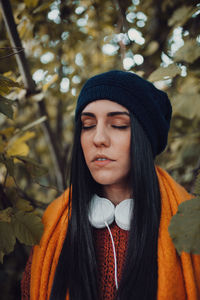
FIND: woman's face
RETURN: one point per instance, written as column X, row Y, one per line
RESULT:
column 105, row 140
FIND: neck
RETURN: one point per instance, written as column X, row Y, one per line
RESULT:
column 117, row 193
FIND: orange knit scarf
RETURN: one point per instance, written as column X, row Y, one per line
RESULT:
column 178, row 276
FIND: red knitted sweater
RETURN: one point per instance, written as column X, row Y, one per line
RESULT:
column 105, row 261
column 105, row 258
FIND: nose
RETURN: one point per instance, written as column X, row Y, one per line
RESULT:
column 101, row 137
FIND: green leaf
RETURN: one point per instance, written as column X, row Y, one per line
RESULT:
column 1, row 256
column 197, row 185
column 8, row 83
column 184, row 227
column 33, row 167
column 165, row 73
column 6, row 107
column 7, row 239
column 5, row 214
column 28, row 227
column 24, row 205
column 9, row 165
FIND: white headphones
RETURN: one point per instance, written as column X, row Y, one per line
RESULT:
column 102, row 213
column 102, row 210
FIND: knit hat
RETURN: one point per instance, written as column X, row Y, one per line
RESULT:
column 149, row 105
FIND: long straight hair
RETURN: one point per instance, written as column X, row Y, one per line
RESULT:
column 77, row 269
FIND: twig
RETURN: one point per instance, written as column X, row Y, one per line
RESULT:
column 121, row 24
column 5, row 201
column 16, row 43
column 11, row 54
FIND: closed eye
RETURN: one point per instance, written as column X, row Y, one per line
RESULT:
column 88, row 127
column 120, row 127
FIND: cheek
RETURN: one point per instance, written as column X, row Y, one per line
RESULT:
column 123, row 146
column 124, row 153
column 84, row 143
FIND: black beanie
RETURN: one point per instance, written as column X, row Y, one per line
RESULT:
column 149, row 105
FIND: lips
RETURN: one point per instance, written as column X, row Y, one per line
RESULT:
column 101, row 157
column 101, row 160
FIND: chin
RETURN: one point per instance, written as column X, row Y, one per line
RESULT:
column 104, row 180
column 107, row 179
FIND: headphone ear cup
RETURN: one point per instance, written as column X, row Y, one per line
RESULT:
column 101, row 210
column 123, row 213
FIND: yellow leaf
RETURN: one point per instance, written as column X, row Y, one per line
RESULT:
column 8, row 74
column 6, row 84
column 22, row 27
column 189, row 52
column 186, row 105
column 25, row 28
column 18, row 146
column 9, row 181
column 18, row 149
column 5, row 135
column 181, row 15
column 4, row 89
column 151, row 48
column 48, row 84
column 31, row 3
column 26, row 136
column 42, row 7
column 165, row 73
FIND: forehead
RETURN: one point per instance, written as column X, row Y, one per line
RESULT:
column 104, row 106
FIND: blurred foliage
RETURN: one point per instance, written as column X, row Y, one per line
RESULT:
column 184, row 227
column 16, row 217
column 66, row 42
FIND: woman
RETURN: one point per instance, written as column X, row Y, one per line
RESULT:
column 108, row 237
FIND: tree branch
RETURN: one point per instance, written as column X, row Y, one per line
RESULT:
column 16, row 43
column 31, row 88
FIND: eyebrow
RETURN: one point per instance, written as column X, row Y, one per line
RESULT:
column 110, row 114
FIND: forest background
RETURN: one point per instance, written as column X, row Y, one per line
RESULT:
column 66, row 42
